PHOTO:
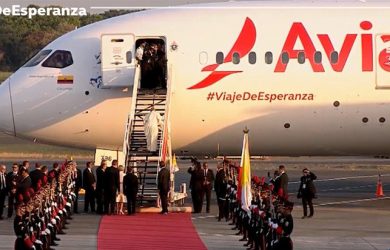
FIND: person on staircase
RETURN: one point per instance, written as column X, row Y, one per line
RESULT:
column 147, row 64
column 161, row 67
column 152, row 123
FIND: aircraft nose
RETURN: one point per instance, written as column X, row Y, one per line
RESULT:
column 6, row 116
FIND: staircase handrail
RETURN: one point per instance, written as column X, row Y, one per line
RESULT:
column 149, row 108
column 130, row 119
column 166, row 128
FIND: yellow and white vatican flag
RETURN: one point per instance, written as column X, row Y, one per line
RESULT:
column 245, row 180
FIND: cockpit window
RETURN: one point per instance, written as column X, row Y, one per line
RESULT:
column 38, row 58
column 59, row 59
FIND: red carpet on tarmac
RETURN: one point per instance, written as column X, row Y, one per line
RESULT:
column 148, row 231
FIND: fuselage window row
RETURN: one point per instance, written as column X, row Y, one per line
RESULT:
column 285, row 57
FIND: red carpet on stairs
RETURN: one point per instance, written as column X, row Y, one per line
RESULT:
column 148, row 231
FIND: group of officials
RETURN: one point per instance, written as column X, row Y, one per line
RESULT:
column 111, row 184
column 152, row 59
column 108, row 187
column 201, row 184
column 104, row 187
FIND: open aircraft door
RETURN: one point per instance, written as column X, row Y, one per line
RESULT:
column 383, row 62
column 118, row 63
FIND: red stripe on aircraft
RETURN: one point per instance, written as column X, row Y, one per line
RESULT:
column 210, row 67
column 243, row 45
column 212, row 78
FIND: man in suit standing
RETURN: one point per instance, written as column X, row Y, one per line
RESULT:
column 26, row 165
column 100, row 186
column 130, row 189
column 111, row 187
column 3, row 189
column 22, row 186
column 196, row 184
column 77, row 177
column 163, row 186
column 54, row 174
column 208, row 179
column 11, row 179
column 283, row 177
column 220, row 186
column 89, row 185
column 36, row 177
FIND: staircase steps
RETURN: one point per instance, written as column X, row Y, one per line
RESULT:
column 137, row 155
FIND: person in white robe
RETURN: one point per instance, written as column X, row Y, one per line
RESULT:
column 139, row 53
column 152, row 123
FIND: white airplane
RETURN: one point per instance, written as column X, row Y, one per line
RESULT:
column 305, row 78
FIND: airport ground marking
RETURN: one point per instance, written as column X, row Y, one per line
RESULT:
column 203, row 217
column 343, row 188
column 351, row 201
column 344, row 178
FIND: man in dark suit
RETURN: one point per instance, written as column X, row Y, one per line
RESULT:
column 163, row 186
column 11, row 179
column 111, row 187
column 22, row 186
column 89, row 185
column 26, row 165
column 208, row 179
column 196, row 185
column 36, row 177
column 220, row 186
column 130, row 189
column 3, row 189
column 100, row 171
column 54, row 174
column 283, row 177
column 77, row 177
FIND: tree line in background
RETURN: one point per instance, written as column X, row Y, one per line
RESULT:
column 21, row 37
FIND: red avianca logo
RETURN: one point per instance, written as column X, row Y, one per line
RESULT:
column 247, row 38
column 243, row 45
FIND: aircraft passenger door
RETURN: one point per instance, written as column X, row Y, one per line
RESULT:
column 118, row 63
column 383, row 61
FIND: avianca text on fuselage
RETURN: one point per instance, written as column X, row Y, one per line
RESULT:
column 298, row 31
column 247, row 38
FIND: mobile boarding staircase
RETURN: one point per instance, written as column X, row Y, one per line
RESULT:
column 144, row 162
